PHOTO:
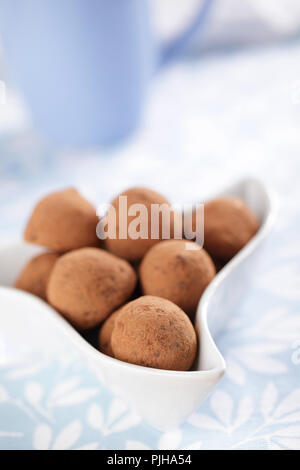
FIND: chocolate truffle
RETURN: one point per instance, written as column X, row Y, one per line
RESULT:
column 228, row 226
column 154, row 332
column 106, row 332
column 87, row 285
column 35, row 275
column 178, row 270
column 134, row 249
column 63, row 221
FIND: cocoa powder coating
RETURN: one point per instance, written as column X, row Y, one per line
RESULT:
column 135, row 249
column 177, row 270
column 63, row 221
column 106, row 332
column 88, row 284
column 154, row 332
column 35, row 275
column 228, row 226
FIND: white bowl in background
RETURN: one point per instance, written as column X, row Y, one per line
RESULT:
column 163, row 398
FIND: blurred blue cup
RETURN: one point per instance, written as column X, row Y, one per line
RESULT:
column 84, row 66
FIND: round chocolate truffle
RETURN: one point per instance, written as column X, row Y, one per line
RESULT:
column 87, row 285
column 134, row 249
column 154, row 332
column 228, row 226
column 63, row 221
column 106, row 332
column 177, row 270
column 35, row 275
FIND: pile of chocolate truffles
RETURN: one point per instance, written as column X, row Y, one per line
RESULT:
column 142, row 294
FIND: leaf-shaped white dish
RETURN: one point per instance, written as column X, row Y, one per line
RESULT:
column 163, row 398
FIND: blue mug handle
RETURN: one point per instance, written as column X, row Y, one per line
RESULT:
column 174, row 47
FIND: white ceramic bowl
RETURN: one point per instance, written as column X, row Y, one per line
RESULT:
column 163, row 398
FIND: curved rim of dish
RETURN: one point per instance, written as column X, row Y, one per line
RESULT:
column 264, row 229
column 201, row 313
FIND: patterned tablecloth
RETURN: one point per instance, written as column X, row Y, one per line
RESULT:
column 208, row 123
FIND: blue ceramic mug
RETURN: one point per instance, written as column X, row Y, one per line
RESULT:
column 84, row 66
